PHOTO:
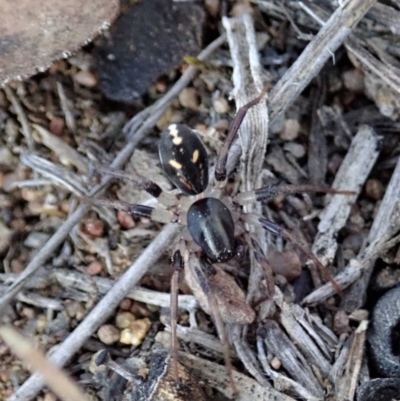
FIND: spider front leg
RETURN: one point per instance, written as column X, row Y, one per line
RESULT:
column 220, row 167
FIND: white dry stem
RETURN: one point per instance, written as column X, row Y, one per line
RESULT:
column 386, row 224
column 352, row 174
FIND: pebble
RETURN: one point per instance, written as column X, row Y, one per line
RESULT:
column 95, row 268
column 276, row 363
column 108, row 334
column 374, row 189
column 221, row 105
column 125, row 304
column 125, row 219
column 296, row 149
column 57, row 125
column 353, row 242
column 291, row 130
column 5, row 236
column 85, row 78
column 164, row 338
column 188, row 98
column 136, row 332
column 49, row 397
column 41, row 323
column 341, row 323
column 359, row 315
column 355, row 224
column 286, row 263
column 6, row 157
column 94, row 228
column 353, row 80
column 74, row 310
column 124, row 319
column 221, row 125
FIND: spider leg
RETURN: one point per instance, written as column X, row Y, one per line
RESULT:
column 155, row 214
column 166, row 198
column 220, row 167
column 278, row 230
column 263, row 262
column 272, row 191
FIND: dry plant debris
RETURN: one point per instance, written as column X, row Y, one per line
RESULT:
column 70, row 270
column 36, row 33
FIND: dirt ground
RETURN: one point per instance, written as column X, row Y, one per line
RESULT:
column 79, row 276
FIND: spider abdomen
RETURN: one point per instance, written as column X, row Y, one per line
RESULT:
column 184, row 159
column 212, row 228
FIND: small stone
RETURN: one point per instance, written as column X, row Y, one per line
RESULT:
column 49, row 397
column 334, row 163
column 188, row 98
column 286, row 263
column 6, row 157
column 341, row 323
column 57, row 125
column 353, row 242
column 125, row 219
column 28, row 313
column 374, row 189
column 359, row 315
column 85, row 78
column 108, row 334
column 125, row 304
column 17, row 266
column 95, row 228
column 164, row 338
column 291, row 130
column 136, row 332
column 353, row 80
column 41, row 323
column 74, row 309
column 36, row 240
column 124, row 319
column 221, row 105
column 276, row 363
column 221, row 125
column 355, row 224
column 5, row 236
column 95, row 268
column 296, row 149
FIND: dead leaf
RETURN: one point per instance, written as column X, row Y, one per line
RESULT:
column 35, row 33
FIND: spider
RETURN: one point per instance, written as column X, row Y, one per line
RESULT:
column 214, row 225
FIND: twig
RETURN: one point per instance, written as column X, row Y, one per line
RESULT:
column 315, row 55
column 69, row 117
column 387, row 73
column 345, row 387
column 352, row 174
column 385, row 225
column 26, row 129
column 253, row 135
column 215, row 376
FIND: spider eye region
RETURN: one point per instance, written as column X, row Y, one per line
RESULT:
column 184, row 159
column 211, row 226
